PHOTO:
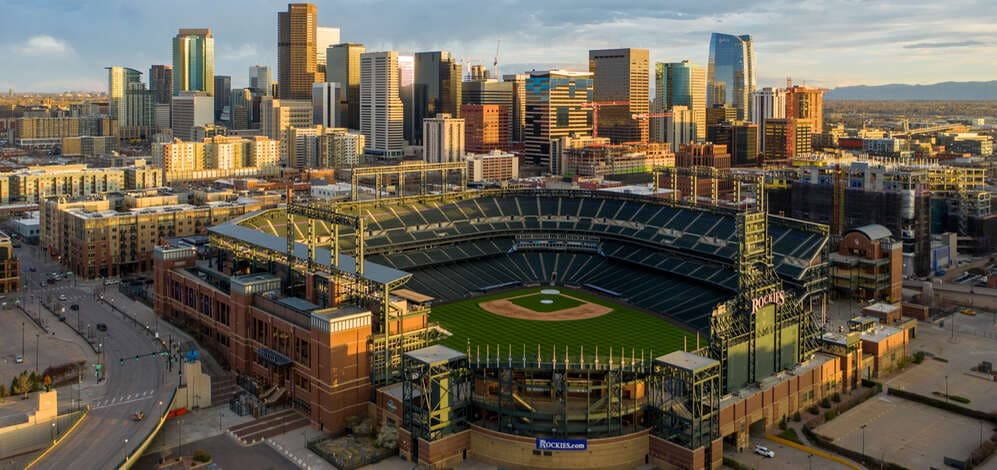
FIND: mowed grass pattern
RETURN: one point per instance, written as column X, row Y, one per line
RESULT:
column 624, row 327
column 532, row 302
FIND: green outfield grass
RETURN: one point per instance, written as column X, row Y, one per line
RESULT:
column 532, row 302
column 624, row 327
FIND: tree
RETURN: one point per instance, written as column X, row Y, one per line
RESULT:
column 3, row 391
column 21, row 384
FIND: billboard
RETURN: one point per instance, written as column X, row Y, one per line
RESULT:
column 561, row 444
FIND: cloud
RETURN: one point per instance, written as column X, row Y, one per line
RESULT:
column 243, row 51
column 939, row 45
column 43, row 46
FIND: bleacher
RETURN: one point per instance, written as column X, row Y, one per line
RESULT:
column 680, row 300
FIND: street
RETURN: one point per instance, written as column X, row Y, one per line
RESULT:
column 108, row 434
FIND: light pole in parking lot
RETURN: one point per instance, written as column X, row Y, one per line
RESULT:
column 37, row 359
column 863, row 438
column 22, row 340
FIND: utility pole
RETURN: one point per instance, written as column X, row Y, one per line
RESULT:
column 37, row 359
column 22, row 340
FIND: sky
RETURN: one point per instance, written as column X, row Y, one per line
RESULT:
column 57, row 45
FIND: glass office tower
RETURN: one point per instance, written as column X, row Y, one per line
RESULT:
column 730, row 78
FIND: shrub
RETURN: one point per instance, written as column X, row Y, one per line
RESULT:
column 830, row 414
column 813, row 409
column 790, row 435
column 729, row 462
column 918, row 357
column 796, row 417
column 782, row 423
column 825, row 403
column 201, row 456
column 836, row 397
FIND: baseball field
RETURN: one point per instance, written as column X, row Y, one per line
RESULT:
column 524, row 318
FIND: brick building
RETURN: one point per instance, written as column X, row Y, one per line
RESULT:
column 868, row 264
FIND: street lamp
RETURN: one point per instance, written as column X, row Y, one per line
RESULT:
column 863, row 438
column 37, row 359
column 946, row 388
column 126, row 450
column 53, row 432
column 22, row 340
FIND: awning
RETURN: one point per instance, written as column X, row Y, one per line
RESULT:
column 273, row 357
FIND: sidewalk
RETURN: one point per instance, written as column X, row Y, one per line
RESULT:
column 193, row 427
column 292, row 445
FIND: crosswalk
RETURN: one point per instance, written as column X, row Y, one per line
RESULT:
column 122, row 399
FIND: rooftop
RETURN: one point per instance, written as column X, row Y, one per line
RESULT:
column 881, row 307
column 434, row 354
column 687, row 360
column 343, row 310
column 879, row 333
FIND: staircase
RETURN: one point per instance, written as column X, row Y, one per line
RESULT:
column 268, row 426
column 223, row 389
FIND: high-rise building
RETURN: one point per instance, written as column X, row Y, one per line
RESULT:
column 487, row 91
column 806, row 105
column 297, row 58
column 621, row 75
column 518, row 104
column 679, row 84
column 406, row 92
column 344, row 68
column 741, row 139
column 241, row 108
column 260, row 80
column 554, row 108
column 720, row 113
column 486, row 127
column 130, row 103
column 443, row 139
column 339, row 148
column 223, row 96
column 328, row 103
column 680, row 128
column 161, row 83
column 406, row 70
column 783, row 143
column 730, row 76
column 325, row 38
column 708, row 154
column 381, row 111
column 436, row 89
column 194, row 61
column 276, row 116
column 191, row 109
column 767, row 103
column 479, row 72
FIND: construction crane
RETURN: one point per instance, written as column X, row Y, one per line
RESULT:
column 594, row 106
column 498, row 44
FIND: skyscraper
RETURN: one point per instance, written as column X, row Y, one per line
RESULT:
column 297, row 67
column 680, row 84
column 621, row 75
column 161, row 83
column 436, row 89
column 260, row 79
column 518, row 104
column 223, row 96
column 554, row 101
column 730, row 77
column 130, row 103
column 680, row 128
column 191, row 109
column 194, row 61
column 807, row 106
column 325, row 38
column 381, row 113
column 344, row 68
column 444, row 139
column 327, row 104
column 767, row 103
column 406, row 74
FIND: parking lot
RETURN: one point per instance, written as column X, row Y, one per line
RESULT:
column 786, row 457
column 905, row 432
column 966, row 350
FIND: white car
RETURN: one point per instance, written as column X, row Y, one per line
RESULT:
column 62, row 297
column 765, row 451
column 19, row 359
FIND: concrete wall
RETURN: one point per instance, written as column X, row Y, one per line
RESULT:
column 623, row 452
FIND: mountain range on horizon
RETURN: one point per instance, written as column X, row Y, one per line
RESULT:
column 944, row 91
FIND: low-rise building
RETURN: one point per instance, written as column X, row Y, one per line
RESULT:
column 494, row 166
column 621, row 159
column 868, row 264
column 92, row 238
column 10, row 266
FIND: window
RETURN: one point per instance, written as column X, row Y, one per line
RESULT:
column 562, row 116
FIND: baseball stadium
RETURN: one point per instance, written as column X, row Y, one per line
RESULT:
column 529, row 328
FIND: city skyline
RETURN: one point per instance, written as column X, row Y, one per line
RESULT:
column 912, row 43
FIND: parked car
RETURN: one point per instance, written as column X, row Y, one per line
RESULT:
column 111, row 282
column 765, row 451
column 101, row 327
column 74, row 307
column 19, row 359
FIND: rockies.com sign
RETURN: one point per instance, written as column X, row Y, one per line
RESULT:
column 561, row 444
